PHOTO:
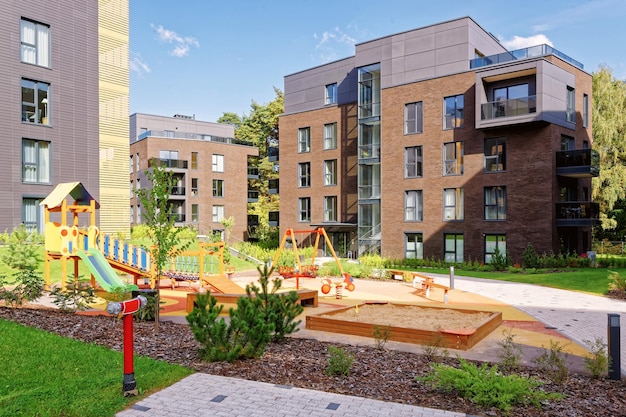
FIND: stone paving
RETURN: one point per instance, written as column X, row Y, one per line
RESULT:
column 578, row 316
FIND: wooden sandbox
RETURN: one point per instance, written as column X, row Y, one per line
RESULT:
column 462, row 338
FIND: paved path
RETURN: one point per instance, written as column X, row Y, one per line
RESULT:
column 578, row 316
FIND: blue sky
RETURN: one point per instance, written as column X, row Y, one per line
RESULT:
column 204, row 58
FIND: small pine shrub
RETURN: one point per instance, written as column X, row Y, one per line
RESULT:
column 499, row 261
column 530, row 259
column 76, row 296
column 339, row 361
column 599, row 362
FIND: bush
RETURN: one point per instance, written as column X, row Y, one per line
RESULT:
column 618, row 282
column 599, row 361
column 552, row 363
column 510, row 353
column 339, row 361
column 530, row 259
column 487, row 386
column 76, row 296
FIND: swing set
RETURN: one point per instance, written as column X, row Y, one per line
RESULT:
column 308, row 270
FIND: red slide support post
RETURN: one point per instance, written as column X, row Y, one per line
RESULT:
column 126, row 309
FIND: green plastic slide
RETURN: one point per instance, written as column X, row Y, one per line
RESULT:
column 103, row 271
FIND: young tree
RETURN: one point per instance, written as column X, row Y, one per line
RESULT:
column 164, row 235
column 609, row 133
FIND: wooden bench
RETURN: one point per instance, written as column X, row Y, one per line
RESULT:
column 306, row 298
column 425, row 283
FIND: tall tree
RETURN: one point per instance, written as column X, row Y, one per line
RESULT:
column 609, row 139
column 229, row 118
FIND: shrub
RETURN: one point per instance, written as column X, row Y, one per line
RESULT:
column 530, row 259
column 436, row 349
column 76, row 296
column 552, row 363
column 599, row 361
column 510, row 353
column 381, row 336
column 499, row 261
column 618, row 282
column 339, row 361
column 487, row 386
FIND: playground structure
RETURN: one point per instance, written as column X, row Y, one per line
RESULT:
column 66, row 240
column 309, row 270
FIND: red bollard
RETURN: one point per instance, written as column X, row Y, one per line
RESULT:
column 127, row 308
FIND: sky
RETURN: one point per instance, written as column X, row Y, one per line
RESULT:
column 206, row 57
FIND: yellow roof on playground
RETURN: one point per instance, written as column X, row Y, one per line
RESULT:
column 74, row 189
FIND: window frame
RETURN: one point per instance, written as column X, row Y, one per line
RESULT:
column 194, row 160
column 330, row 208
column 457, row 114
column 453, row 164
column 330, row 94
column 37, row 111
column 330, row 140
column 456, row 207
column 304, row 174
column 40, row 47
column 418, row 241
column 417, row 164
column 37, row 163
column 217, row 162
column 457, row 257
column 414, row 112
column 195, row 182
column 489, row 254
column 413, row 205
column 570, row 104
column 218, row 188
column 195, row 213
column 39, row 214
column 304, row 209
column 585, row 110
column 330, row 172
column 304, row 139
column 499, row 157
column 494, row 198
column 217, row 213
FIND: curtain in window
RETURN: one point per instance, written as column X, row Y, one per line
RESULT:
column 44, row 162
column 43, row 57
column 30, row 213
column 29, row 53
column 29, row 164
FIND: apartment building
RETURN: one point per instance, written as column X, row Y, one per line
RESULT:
column 59, row 62
column 209, row 165
column 439, row 142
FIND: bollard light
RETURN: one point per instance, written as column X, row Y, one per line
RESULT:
column 615, row 366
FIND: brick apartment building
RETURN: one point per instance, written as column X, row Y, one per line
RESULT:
column 209, row 165
column 62, row 64
column 438, row 142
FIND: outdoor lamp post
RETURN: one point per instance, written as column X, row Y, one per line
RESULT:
column 615, row 371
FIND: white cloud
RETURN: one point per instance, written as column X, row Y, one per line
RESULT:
column 519, row 42
column 137, row 65
column 182, row 44
column 333, row 45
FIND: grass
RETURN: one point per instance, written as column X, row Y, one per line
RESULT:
column 46, row 375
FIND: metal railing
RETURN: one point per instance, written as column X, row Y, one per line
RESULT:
column 530, row 52
column 507, row 108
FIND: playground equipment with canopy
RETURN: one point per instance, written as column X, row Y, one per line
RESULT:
column 66, row 241
column 310, row 270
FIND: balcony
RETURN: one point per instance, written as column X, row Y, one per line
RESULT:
column 273, row 218
column 579, row 163
column 369, row 192
column 272, row 153
column 191, row 136
column 253, row 173
column 168, row 163
column 253, row 196
column 370, row 152
column 509, row 108
column 177, row 191
column 176, row 217
column 577, row 214
column 273, row 186
column 525, row 53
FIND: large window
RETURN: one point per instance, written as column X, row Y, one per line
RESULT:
column 194, row 187
column 414, row 246
column 413, row 206
column 493, row 243
column 330, row 208
column 194, row 213
column 36, row 161
column 218, row 188
column 304, row 174
column 330, row 96
column 495, row 203
column 304, row 209
column 512, row 100
column 570, row 105
column 330, row 136
column 585, row 110
column 32, row 215
column 194, row 160
column 452, row 204
column 35, row 102
column 413, row 162
column 453, row 158
column 35, row 39
column 304, row 139
column 413, row 118
column 131, row 166
column 217, row 162
column 453, row 112
column 218, row 213
column 495, row 154
column 453, row 248
column 330, row 172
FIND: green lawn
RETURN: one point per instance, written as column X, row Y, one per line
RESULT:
column 46, row 375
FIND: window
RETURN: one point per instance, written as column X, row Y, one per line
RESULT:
column 218, row 213
column 452, row 204
column 132, row 189
column 304, row 209
column 218, row 188
column 132, row 214
column 570, row 105
column 304, row 139
column 453, row 248
column 35, row 102
column 495, row 203
column 131, row 166
column 331, row 94
column 35, row 39
column 414, row 246
column 32, row 215
column 453, row 158
column 493, row 243
column 330, row 136
column 585, row 110
column 218, row 163
column 138, row 184
column 413, row 162
column 413, row 206
column 513, row 100
column 495, row 154
column 138, row 213
column 413, row 118
column 304, row 174
column 36, row 161
column 194, row 187
column 194, row 213
column 137, row 163
column 194, row 160
column 453, row 112
column 330, row 208
column 568, row 143
column 330, row 172
column 168, row 155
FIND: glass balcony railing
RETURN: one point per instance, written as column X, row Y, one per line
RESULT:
column 177, row 191
column 193, row 136
column 573, row 210
column 369, row 151
column 508, row 108
column 578, row 163
column 525, row 53
column 369, row 191
column 176, row 217
column 253, row 172
column 169, row 163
